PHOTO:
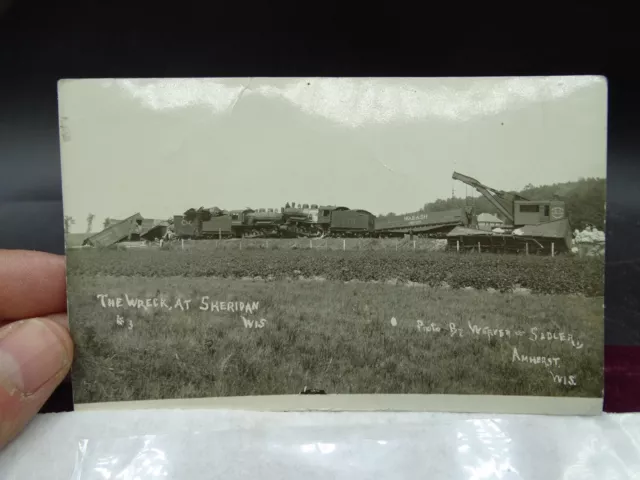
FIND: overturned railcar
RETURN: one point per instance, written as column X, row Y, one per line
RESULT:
column 425, row 224
column 116, row 232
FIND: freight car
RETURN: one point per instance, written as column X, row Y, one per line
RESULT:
column 215, row 227
column 116, row 232
column 425, row 224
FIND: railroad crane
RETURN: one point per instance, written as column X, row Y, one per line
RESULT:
column 531, row 226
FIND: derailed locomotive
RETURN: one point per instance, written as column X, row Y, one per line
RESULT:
column 315, row 221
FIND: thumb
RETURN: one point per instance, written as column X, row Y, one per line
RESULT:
column 35, row 356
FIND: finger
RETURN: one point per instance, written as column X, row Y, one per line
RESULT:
column 31, row 284
column 35, row 356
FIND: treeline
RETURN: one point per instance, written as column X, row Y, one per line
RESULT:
column 585, row 201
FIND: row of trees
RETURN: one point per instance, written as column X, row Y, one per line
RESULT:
column 585, row 201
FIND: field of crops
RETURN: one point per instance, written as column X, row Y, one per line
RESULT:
column 388, row 244
column 546, row 275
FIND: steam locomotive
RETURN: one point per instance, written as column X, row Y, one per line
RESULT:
column 314, row 221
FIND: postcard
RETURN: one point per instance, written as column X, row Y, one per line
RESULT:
column 408, row 244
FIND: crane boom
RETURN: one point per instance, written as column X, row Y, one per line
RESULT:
column 496, row 197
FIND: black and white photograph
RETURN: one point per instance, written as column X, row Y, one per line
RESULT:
column 254, row 237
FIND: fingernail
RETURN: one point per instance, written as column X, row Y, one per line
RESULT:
column 30, row 355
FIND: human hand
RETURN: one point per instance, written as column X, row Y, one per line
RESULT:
column 36, row 348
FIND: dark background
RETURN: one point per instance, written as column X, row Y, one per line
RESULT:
column 42, row 42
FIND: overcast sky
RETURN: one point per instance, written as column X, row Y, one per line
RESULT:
column 159, row 147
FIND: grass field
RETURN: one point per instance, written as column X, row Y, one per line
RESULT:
column 324, row 334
